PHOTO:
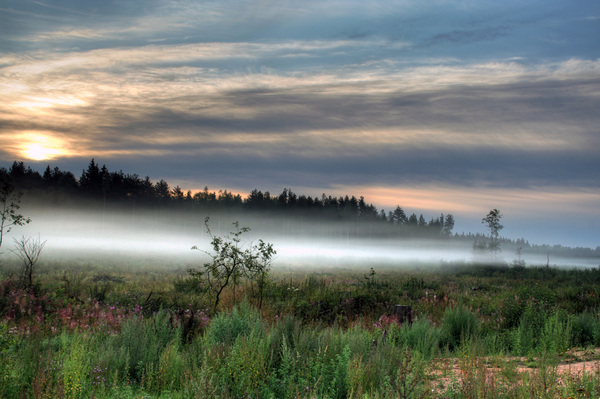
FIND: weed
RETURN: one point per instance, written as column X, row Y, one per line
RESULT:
column 459, row 324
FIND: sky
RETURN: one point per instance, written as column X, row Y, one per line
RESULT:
column 440, row 106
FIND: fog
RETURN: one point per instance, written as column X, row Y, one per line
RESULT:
column 166, row 239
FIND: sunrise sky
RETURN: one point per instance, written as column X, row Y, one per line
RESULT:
column 437, row 106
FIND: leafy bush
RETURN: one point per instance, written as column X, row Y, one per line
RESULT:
column 511, row 311
column 584, row 328
column 233, row 261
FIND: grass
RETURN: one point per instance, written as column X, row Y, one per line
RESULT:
column 141, row 332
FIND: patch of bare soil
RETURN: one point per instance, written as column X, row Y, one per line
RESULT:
column 575, row 363
column 572, row 364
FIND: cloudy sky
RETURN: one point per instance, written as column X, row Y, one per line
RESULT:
column 453, row 106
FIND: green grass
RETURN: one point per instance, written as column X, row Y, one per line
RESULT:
column 130, row 332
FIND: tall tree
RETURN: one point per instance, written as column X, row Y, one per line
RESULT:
column 398, row 217
column 91, row 179
column 448, row 225
column 162, row 191
column 382, row 216
column 413, row 220
column 178, row 194
column 256, row 200
column 492, row 221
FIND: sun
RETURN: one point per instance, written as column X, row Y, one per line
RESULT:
column 39, row 152
column 39, row 146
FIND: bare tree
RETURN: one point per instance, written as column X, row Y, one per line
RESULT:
column 28, row 250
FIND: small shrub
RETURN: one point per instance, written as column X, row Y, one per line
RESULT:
column 422, row 337
column 458, row 324
column 285, row 371
column 246, row 368
column 526, row 336
column 171, row 368
column 328, row 367
column 556, row 335
column 141, row 343
column 226, row 327
column 476, row 380
column 27, row 355
column 584, row 327
column 283, row 334
column 48, row 382
column 511, row 311
column 410, row 380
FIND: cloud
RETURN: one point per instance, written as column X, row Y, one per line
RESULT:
column 469, row 36
column 473, row 201
column 465, row 123
column 274, row 93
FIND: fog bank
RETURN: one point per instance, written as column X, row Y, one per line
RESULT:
column 167, row 239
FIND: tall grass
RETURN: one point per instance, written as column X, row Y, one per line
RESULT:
column 226, row 327
column 340, row 343
column 459, row 324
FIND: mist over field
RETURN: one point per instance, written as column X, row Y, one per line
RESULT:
column 166, row 238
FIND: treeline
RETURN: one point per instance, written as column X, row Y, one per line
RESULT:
column 98, row 184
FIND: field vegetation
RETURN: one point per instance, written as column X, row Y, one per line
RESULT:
column 96, row 330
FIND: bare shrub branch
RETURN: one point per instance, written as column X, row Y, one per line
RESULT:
column 28, row 249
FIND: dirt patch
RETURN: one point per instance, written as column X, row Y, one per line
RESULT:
column 576, row 363
column 491, row 370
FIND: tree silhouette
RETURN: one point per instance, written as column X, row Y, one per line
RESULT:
column 298, row 213
column 492, row 220
column 91, row 180
column 448, row 225
column 9, row 209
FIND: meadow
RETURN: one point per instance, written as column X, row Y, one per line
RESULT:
column 143, row 330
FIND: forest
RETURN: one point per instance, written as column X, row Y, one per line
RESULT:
column 98, row 184
column 352, row 217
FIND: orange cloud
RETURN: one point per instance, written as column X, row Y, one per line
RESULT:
column 473, row 201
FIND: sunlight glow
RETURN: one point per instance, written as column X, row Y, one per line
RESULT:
column 39, row 152
column 40, row 147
